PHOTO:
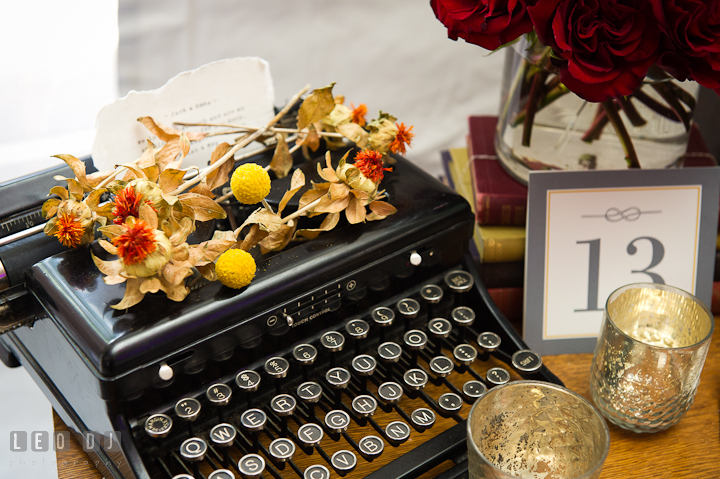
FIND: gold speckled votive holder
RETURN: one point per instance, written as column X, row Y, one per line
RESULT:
column 649, row 356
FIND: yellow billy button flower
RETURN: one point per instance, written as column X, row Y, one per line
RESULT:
column 143, row 251
column 250, row 183
column 235, row 268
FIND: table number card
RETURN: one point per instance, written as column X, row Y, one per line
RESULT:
column 591, row 232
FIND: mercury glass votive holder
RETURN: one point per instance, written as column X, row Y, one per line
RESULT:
column 532, row 429
column 649, row 356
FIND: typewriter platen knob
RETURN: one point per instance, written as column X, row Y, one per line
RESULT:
column 158, row 426
column 165, row 372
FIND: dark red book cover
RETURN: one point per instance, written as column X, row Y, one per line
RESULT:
column 500, row 199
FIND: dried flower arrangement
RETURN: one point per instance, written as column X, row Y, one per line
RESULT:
column 149, row 216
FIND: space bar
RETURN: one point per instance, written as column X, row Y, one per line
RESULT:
column 447, row 445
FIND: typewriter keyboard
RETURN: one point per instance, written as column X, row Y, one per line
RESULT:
column 349, row 400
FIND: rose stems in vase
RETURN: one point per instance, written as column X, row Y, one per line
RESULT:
column 622, row 133
column 633, row 115
column 598, row 124
column 668, row 95
column 655, row 105
column 552, row 94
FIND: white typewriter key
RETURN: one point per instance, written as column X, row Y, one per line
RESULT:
column 193, row 449
column 219, row 394
column 463, row 316
column 397, row 432
column 431, row 293
column 415, row 379
column 408, row 307
column 526, row 361
column 364, row 364
column 390, row 392
column 465, row 354
column 497, row 376
column 158, row 426
column 423, row 417
column 383, row 316
column 221, row 474
column 441, row 366
column 357, row 328
column 488, row 341
column 332, row 341
column 316, row 471
column 248, row 381
column 450, row 402
column 310, row 434
column 337, row 421
column 338, row 377
column 251, row 466
column 474, row 390
column 187, row 409
column 305, row 354
column 165, row 372
column 281, row 449
column 183, row 476
column 343, row 461
column 253, row 420
column 283, row 405
column 223, row 435
column 415, row 339
column 364, row 405
column 371, row 447
column 439, row 327
column 459, row 281
column 390, row 352
column 309, row 392
column 277, row 367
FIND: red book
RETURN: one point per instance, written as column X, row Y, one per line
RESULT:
column 500, row 199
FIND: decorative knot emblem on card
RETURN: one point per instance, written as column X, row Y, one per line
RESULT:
column 614, row 215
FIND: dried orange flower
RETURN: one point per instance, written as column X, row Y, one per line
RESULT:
column 404, row 137
column 370, row 164
column 358, row 114
column 69, row 230
column 136, row 243
column 127, row 203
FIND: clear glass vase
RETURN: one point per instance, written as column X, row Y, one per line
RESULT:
column 569, row 133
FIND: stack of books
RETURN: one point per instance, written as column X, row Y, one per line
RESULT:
column 500, row 205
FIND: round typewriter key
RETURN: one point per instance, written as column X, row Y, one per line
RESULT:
column 309, row 392
column 310, row 434
column 474, row 390
column 316, row 471
column 463, row 316
column 423, row 417
column 277, row 367
column 253, row 420
column 383, row 316
column 183, row 476
column 158, row 426
column 282, row 449
column 223, row 435
column 450, row 402
column 338, row 377
column 465, row 354
column 248, row 380
column 251, row 466
column 431, row 293
column 459, row 281
column 357, row 328
column 526, row 361
column 187, row 409
column 283, row 404
column 371, row 447
column 221, row 474
column 408, row 307
column 390, row 392
column 415, row 379
column 415, row 339
column 305, row 354
column 497, row 376
column 364, row 405
column 193, row 449
column 439, row 327
column 389, row 352
column 488, row 341
column 397, row 432
column 441, row 366
column 219, row 394
column 364, row 364
column 337, row 421
column 332, row 341
column 343, row 461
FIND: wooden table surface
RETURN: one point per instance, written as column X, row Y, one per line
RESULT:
column 690, row 449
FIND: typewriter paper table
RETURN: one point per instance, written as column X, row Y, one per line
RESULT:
column 691, row 449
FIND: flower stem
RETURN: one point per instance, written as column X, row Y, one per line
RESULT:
column 622, row 133
column 667, row 94
column 655, row 105
column 302, row 210
column 633, row 115
column 532, row 105
column 598, row 125
column 242, row 128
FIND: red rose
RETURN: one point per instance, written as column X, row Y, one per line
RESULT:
column 605, row 46
column 488, row 23
column 692, row 28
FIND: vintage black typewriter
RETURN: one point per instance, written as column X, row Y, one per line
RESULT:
column 359, row 352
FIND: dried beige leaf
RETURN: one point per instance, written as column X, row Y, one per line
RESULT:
column 174, row 274
column 208, row 271
column 50, row 207
column 112, row 231
column 180, row 230
column 136, row 172
column 152, row 173
column 338, row 191
column 382, row 208
column 354, row 133
column 148, row 215
column 184, row 144
column 107, row 246
column 328, row 205
column 311, row 139
column 180, row 252
column 77, row 166
column 278, row 239
column 310, row 196
column 220, row 176
column 110, row 268
column 355, row 211
column 170, row 179
column 98, row 177
column 282, row 161
column 203, row 189
column 93, row 199
column 318, row 104
column 167, row 153
column 167, row 133
column 60, row 191
column 132, row 295
column 253, row 237
column 205, row 209
column 115, row 279
column 328, row 223
column 296, row 182
column 147, row 159
column 151, row 285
